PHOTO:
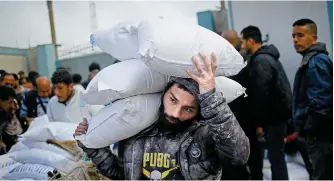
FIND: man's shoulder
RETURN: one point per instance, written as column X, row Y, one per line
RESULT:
column 321, row 60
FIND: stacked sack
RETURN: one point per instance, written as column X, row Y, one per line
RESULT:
column 150, row 52
column 44, row 147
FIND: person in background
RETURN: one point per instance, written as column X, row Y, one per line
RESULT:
column 232, row 37
column 21, row 75
column 77, row 82
column 32, row 76
column 268, row 105
column 36, row 101
column 65, row 105
column 312, row 106
column 7, row 97
column 18, row 88
column 195, row 136
column 8, row 79
column 28, row 84
column 93, row 68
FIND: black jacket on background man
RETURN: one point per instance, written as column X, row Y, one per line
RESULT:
column 267, row 86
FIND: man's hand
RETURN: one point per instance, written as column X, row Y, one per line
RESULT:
column 81, row 129
column 29, row 120
column 3, row 147
column 206, row 79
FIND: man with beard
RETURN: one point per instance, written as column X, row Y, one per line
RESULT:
column 268, row 105
column 195, row 136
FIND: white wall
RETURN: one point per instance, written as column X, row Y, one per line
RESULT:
column 276, row 19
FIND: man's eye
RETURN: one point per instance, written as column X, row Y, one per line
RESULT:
column 188, row 110
column 173, row 100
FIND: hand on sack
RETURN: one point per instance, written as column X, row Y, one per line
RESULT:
column 81, row 129
column 3, row 149
column 206, row 79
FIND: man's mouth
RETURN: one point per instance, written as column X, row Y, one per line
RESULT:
column 172, row 121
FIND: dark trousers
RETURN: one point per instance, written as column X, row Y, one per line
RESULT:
column 321, row 155
column 274, row 135
column 235, row 173
column 9, row 140
column 299, row 144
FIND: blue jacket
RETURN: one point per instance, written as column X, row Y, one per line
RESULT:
column 312, row 104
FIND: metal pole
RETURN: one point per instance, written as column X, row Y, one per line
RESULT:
column 222, row 4
column 52, row 26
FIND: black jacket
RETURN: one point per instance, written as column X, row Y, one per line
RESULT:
column 268, row 89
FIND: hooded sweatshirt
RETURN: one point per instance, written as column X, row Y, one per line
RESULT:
column 213, row 141
column 268, row 89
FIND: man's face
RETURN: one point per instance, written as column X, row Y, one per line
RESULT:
column 9, row 81
column 6, row 105
column 63, row 91
column 246, row 44
column 303, row 38
column 44, row 90
column 179, row 106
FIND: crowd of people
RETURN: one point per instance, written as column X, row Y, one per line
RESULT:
column 23, row 98
column 198, row 135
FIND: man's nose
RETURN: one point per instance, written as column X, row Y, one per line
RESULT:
column 176, row 112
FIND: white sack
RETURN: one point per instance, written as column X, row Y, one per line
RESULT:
column 167, row 46
column 41, row 120
column 120, row 41
column 34, row 171
column 121, row 80
column 52, row 130
column 38, row 156
column 122, row 119
column 7, row 164
column 18, row 146
column 49, row 147
column 230, row 88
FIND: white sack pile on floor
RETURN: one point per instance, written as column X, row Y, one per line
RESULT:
column 44, row 147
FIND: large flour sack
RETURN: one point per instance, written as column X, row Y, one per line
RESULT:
column 121, row 80
column 230, row 88
column 167, row 47
column 39, row 156
column 33, row 171
column 51, row 130
column 120, row 41
column 122, row 119
column 7, row 164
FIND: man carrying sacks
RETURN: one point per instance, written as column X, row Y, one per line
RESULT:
column 195, row 137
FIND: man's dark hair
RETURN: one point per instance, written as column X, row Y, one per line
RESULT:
column 2, row 74
column 21, row 72
column 61, row 76
column 15, row 76
column 32, row 74
column 76, row 78
column 252, row 32
column 6, row 93
column 307, row 22
column 179, row 86
column 94, row 66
